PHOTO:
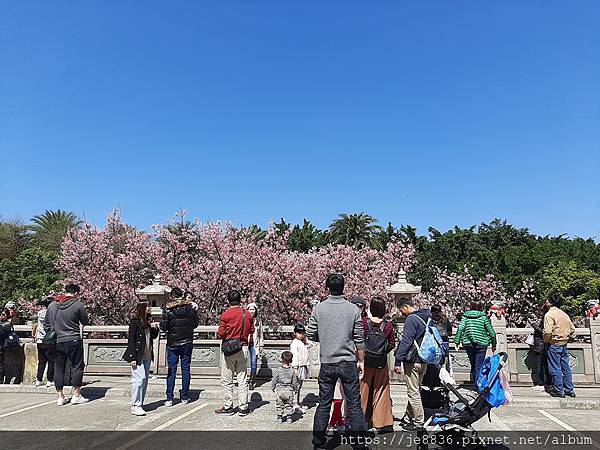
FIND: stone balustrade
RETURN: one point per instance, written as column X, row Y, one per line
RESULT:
column 104, row 347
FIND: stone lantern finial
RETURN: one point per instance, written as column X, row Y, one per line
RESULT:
column 402, row 286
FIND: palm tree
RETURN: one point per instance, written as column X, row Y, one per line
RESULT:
column 51, row 227
column 356, row 230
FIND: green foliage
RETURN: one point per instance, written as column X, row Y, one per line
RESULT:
column 13, row 239
column 307, row 237
column 50, row 228
column 30, row 275
column 573, row 283
column 355, row 230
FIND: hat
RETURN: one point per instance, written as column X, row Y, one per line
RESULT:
column 10, row 305
column 358, row 301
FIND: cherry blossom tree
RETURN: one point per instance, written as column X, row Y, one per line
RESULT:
column 108, row 264
column 206, row 260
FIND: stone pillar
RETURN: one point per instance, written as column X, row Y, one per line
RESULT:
column 314, row 360
column 499, row 324
column 593, row 323
column 31, row 362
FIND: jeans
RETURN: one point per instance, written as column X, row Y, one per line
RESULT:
column 235, row 366
column 139, row 383
column 347, row 373
column 476, row 354
column 173, row 354
column 45, row 357
column 253, row 359
column 559, row 368
column 72, row 351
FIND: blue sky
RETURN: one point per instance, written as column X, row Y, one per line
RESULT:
column 426, row 113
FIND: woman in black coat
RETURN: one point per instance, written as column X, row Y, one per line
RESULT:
column 140, row 353
column 536, row 359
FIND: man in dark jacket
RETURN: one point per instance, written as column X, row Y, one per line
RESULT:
column 178, row 322
column 407, row 358
column 64, row 316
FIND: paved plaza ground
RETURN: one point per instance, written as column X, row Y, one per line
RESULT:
column 26, row 408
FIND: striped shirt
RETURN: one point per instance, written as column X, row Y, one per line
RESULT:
column 475, row 328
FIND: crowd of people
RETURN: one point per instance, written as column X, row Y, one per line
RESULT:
column 354, row 338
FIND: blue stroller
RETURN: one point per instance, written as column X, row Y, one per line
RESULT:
column 455, row 424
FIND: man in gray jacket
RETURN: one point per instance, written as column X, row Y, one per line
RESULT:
column 336, row 324
column 64, row 316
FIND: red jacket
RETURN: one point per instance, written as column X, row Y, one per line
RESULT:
column 230, row 325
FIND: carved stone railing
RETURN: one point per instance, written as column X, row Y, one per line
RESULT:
column 104, row 347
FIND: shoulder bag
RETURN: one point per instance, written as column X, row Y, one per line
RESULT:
column 234, row 345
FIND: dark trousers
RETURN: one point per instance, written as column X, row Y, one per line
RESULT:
column 329, row 374
column 173, row 354
column 476, row 354
column 534, row 363
column 1, row 365
column 72, row 351
column 45, row 356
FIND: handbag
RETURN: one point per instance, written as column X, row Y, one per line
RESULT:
column 50, row 336
column 234, row 345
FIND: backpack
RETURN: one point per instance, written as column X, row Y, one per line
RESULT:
column 431, row 350
column 376, row 345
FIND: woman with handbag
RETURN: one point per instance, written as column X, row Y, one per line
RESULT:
column 535, row 356
column 140, row 353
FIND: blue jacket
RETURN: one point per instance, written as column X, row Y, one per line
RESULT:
column 414, row 329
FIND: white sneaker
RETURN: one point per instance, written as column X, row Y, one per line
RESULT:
column 38, row 383
column 168, row 403
column 49, row 383
column 138, row 411
column 539, row 388
column 79, row 400
column 185, row 402
column 61, row 401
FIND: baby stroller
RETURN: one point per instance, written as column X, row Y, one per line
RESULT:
column 454, row 426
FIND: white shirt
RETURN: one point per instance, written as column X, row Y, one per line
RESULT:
column 40, row 333
column 300, row 353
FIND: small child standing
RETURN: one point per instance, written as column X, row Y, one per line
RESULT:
column 285, row 385
column 299, row 349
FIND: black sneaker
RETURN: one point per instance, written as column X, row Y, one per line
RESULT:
column 412, row 428
column 222, row 411
column 570, row 394
column 244, row 412
column 556, row 394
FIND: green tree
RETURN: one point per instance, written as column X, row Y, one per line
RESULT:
column 51, row 227
column 356, row 230
column 573, row 283
column 30, row 275
column 13, row 239
column 306, row 237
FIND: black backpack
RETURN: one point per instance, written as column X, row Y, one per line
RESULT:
column 376, row 346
